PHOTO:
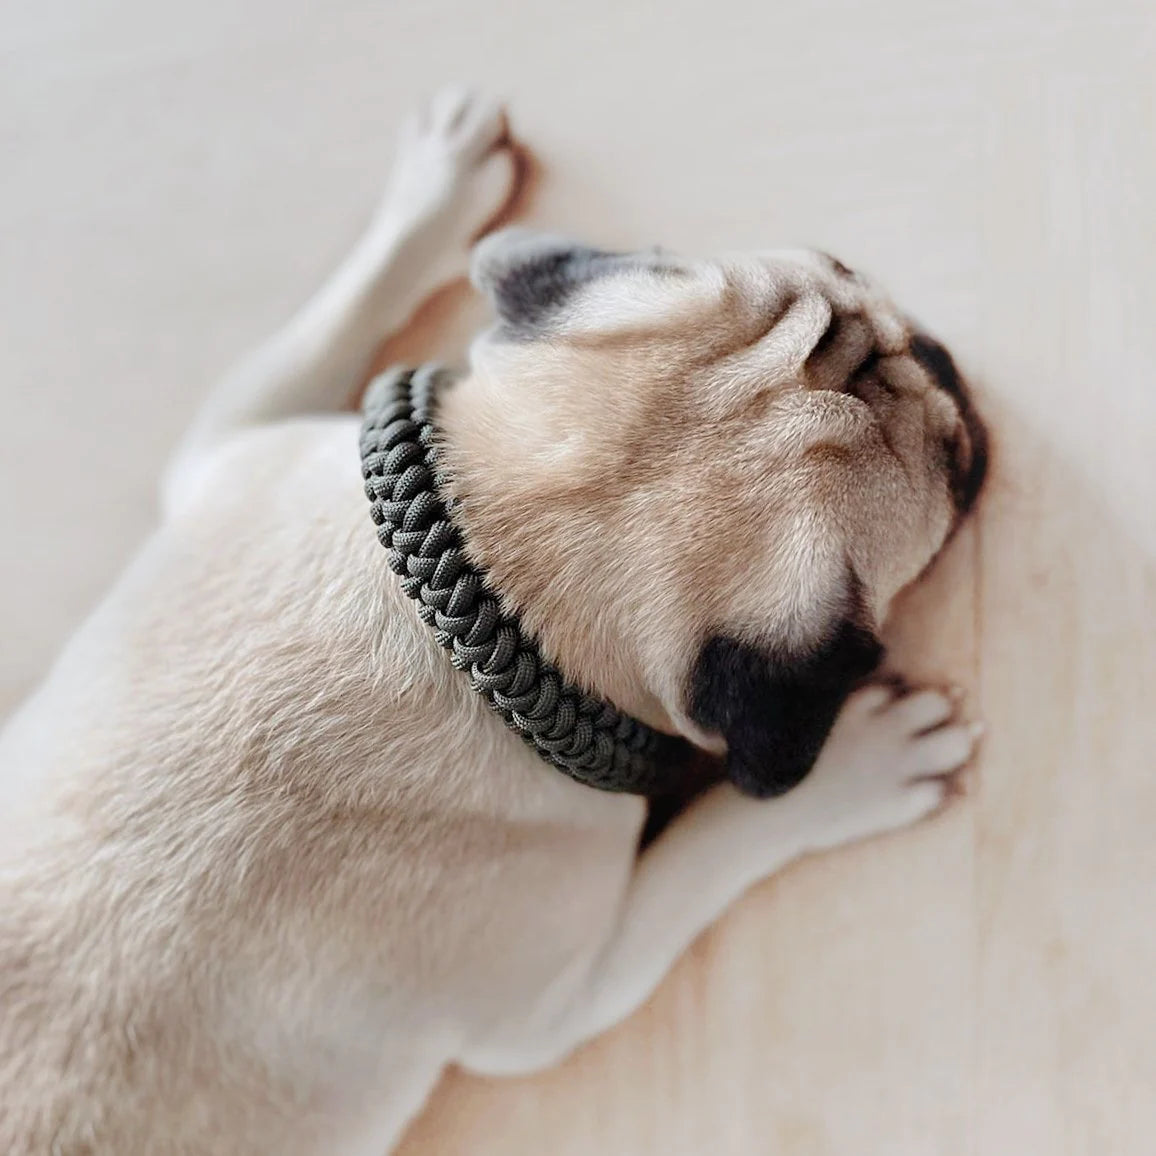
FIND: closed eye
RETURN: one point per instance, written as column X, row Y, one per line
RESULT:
column 844, row 356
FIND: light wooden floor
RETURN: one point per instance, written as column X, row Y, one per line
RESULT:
column 174, row 178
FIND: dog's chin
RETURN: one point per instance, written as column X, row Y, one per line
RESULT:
column 757, row 785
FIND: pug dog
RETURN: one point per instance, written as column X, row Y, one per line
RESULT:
column 268, row 863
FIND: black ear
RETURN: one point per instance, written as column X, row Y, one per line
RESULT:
column 529, row 277
column 775, row 712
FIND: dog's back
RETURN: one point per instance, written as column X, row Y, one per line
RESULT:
column 233, row 816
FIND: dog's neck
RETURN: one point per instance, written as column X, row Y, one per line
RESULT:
column 547, row 562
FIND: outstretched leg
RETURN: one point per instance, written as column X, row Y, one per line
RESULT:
column 453, row 174
column 889, row 762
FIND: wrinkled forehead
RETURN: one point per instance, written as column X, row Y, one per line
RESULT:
column 722, row 332
column 541, row 284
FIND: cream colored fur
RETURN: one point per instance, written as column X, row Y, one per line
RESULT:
column 267, row 864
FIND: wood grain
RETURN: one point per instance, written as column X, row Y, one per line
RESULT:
column 178, row 177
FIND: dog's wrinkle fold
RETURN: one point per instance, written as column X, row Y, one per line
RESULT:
column 845, row 350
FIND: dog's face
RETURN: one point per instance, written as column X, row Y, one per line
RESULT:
column 702, row 482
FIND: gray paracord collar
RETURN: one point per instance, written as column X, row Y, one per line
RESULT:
column 588, row 738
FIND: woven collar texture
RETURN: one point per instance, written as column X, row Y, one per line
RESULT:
column 588, row 738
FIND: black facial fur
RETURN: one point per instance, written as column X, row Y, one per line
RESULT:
column 775, row 712
column 938, row 363
column 970, row 467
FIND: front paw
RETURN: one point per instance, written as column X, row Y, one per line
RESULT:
column 454, row 169
column 891, row 760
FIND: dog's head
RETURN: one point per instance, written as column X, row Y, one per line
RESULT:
column 702, row 482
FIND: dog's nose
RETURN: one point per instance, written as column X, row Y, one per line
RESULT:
column 940, row 367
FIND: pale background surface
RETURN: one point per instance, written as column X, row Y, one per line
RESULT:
column 175, row 178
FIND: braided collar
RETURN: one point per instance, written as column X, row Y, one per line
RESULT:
column 587, row 737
